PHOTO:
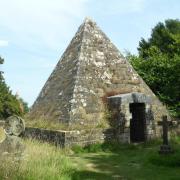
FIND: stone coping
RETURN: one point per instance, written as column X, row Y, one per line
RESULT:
column 67, row 131
column 134, row 97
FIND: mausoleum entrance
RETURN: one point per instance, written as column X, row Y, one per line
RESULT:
column 132, row 117
column 137, row 122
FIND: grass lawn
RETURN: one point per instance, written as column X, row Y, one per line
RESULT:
column 107, row 161
column 126, row 163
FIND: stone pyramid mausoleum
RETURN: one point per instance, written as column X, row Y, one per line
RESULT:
column 91, row 70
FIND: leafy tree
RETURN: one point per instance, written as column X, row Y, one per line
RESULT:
column 158, row 63
column 9, row 104
column 23, row 105
column 1, row 62
column 165, row 37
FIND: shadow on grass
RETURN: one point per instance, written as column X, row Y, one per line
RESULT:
column 126, row 162
column 87, row 175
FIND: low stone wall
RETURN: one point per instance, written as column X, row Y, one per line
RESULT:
column 70, row 138
column 55, row 137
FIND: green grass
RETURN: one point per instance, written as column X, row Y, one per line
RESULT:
column 41, row 161
column 111, row 161
column 98, row 161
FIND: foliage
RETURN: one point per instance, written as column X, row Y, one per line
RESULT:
column 1, row 62
column 9, row 104
column 24, row 105
column 158, row 63
column 165, row 37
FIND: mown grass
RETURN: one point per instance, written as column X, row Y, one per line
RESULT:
column 99, row 161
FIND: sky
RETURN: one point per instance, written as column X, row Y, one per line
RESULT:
column 35, row 33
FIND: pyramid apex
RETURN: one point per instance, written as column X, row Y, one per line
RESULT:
column 89, row 20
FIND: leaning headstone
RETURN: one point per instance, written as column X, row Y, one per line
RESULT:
column 165, row 148
column 12, row 144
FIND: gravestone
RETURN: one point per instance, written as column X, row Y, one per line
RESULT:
column 12, row 144
column 165, row 148
column 14, row 125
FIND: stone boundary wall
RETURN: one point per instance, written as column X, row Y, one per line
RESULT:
column 70, row 138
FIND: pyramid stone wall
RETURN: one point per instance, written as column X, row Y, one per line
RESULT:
column 90, row 69
column 53, row 102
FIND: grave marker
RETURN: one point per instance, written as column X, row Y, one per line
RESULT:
column 165, row 148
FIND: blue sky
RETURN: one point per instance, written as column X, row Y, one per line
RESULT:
column 35, row 33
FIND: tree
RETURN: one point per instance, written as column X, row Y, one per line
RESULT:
column 23, row 105
column 9, row 104
column 1, row 62
column 158, row 63
column 165, row 37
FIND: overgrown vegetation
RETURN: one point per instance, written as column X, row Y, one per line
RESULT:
column 158, row 63
column 40, row 161
column 97, row 161
column 9, row 103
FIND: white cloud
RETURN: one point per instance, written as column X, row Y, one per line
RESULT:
column 3, row 43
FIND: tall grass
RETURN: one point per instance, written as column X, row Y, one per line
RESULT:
column 40, row 161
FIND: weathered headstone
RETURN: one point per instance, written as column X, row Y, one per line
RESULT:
column 165, row 148
column 12, row 144
column 14, row 125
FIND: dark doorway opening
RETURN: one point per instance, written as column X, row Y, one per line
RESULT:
column 138, row 122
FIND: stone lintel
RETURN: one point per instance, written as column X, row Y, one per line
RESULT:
column 130, row 98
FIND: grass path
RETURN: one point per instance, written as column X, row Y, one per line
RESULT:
column 43, row 161
column 124, row 164
column 88, row 168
